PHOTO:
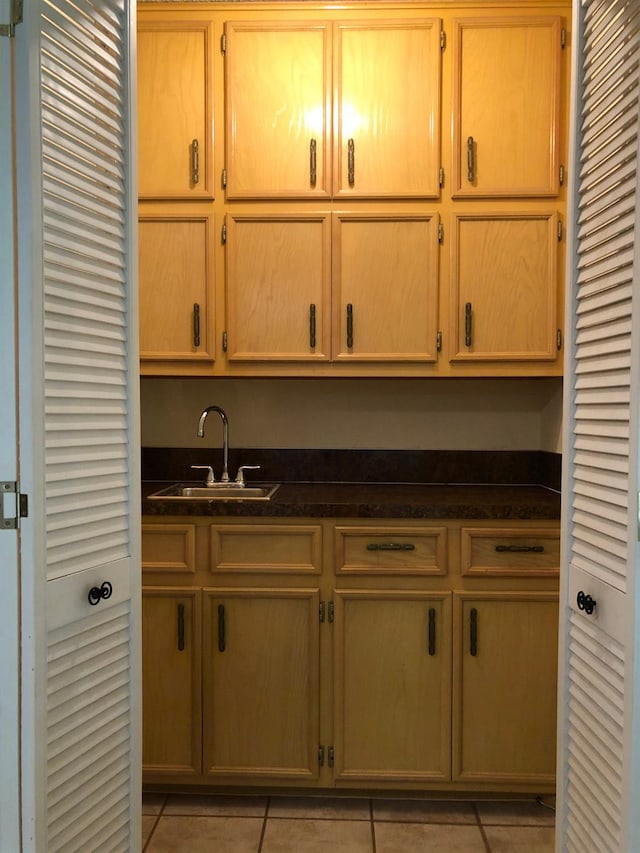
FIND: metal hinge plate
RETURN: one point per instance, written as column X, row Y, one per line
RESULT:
column 443, row 39
column 331, row 756
column 440, row 232
column 330, row 611
column 563, row 38
column 439, row 341
column 223, row 233
column 223, row 43
column 15, row 17
column 20, row 507
column 559, row 339
column 224, row 342
column 441, row 177
column 224, row 179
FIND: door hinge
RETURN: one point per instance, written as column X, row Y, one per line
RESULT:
column 322, row 611
column 563, row 38
column 441, row 177
column 330, row 756
column 15, row 17
column 439, row 341
column 330, row 611
column 224, row 342
column 321, row 756
column 20, row 508
column 559, row 339
column 443, row 39
column 223, row 43
column 559, row 229
column 440, row 232
column 224, row 179
column 223, row 233
column 561, row 175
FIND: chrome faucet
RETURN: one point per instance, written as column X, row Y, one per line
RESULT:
column 225, row 438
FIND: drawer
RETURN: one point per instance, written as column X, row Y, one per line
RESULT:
column 266, row 548
column 510, row 552
column 391, row 550
column 169, row 547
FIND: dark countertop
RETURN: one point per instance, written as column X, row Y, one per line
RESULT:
column 374, row 500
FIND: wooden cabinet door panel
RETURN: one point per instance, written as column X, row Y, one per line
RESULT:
column 504, row 287
column 277, row 108
column 175, row 273
column 175, row 93
column 392, row 685
column 261, row 683
column 278, row 286
column 505, row 687
column 387, row 103
column 386, row 268
column 507, row 85
column 171, row 643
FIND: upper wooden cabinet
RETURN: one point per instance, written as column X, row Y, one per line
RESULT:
column 175, row 103
column 506, row 106
column 383, row 139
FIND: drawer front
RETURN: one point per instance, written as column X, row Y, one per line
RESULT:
column 169, row 547
column 266, row 548
column 510, row 552
column 391, row 550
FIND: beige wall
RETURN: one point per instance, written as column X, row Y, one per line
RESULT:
column 441, row 414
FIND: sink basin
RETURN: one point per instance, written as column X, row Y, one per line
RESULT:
column 217, row 492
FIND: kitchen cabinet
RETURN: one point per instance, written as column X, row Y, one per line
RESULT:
column 504, row 286
column 372, row 276
column 507, row 95
column 175, row 108
column 176, row 286
column 386, row 97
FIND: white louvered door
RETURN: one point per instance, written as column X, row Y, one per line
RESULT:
column 600, row 682
column 80, row 454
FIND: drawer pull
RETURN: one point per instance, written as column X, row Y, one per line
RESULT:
column 473, row 632
column 196, row 324
column 351, row 162
column 313, row 162
column 432, row 631
column 467, row 324
column 349, row 326
column 195, row 167
column 312, row 325
column 521, row 549
column 391, row 546
column 181, row 627
column 221, row 629
column 471, row 165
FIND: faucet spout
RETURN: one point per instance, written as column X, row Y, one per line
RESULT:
column 225, row 437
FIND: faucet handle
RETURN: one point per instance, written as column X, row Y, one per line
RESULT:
column 210, row 478
column 240, row 475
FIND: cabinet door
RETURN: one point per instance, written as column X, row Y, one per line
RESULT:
column 385, row 287
column 171, row 642
column 176, row 290
column 392, row 661
column 278, row 286
column 277, row 109
column 504, row 287
column 387, row 108
column 506, row 106
column 261, row 683
column 505, row 665
column 175, row 92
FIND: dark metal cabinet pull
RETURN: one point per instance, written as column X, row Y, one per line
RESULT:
column 586, row 603
column 312, row 325
column 521, row 549
column 97, row 593
column 391, row 546
column 351, row 161
column 181, row 627
column 196, row 324
column 195, row 167
column 221, row 629
column 467, row 324
column 312, row 161
column 471, row 166
column 432, row 631
column 473, row 632
column 349, row 326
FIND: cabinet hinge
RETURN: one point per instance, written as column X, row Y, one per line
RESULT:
column 322, row 611
column 330, row 611
column 561, row 175
column 440, row 232
column 223, row 179
column 443, row 39
column 330, row 756
column 321, row 756
column 15, row 17
column 439, row 341
column 441, row 177
column 223, row 43
column 559, row 229
column 559, row 339
column 563, row 38
column 223, row 233
column 224, row 342
column 20, row 507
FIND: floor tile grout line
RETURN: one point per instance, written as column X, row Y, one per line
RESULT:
column 373, row 827
column 264, row 825
column 483, row 834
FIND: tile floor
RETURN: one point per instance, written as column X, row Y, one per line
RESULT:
column 184, row 823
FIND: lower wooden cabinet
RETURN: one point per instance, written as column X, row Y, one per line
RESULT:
column 171, row 681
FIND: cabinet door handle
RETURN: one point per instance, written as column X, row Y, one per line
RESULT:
column 471, row 165
column 473, row 632
column 351, row 162
column 98, row 593
column 432, row 631
column 312, row 325
column 521, row 549
column 467, row 324
column 195, row 168
column 586, row 603
column 221, row 629
column 349, row 326
column 391, row 546
column 181, row 627
column 312, row 162
column 196, row 324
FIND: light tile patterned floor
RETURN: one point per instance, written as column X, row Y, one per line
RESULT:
column 184, row 823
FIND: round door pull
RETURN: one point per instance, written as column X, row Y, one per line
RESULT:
column 97, row 593
column 586, row 603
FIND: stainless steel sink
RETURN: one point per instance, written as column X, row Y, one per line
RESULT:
column 217, row 492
